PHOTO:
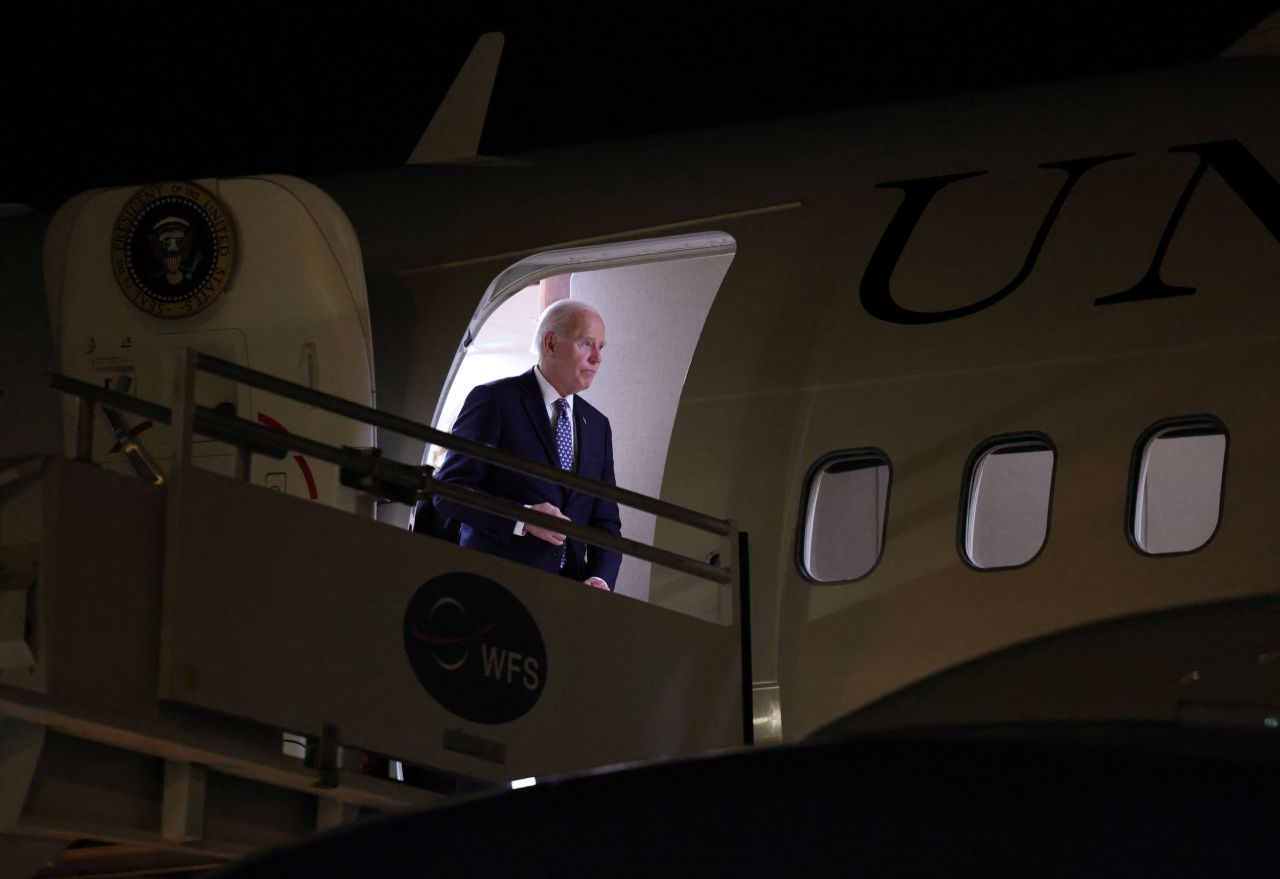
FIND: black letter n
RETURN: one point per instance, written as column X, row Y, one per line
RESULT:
column 1244, row 174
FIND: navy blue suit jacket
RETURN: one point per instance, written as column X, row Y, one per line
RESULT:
column 510, row 414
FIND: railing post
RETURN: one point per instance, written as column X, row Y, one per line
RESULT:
column 741, row 569
column 84, row 431
column 184, row 407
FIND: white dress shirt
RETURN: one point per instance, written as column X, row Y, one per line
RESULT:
column 549, row 397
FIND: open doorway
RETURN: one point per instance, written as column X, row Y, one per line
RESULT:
column 503, row 347
column 654, row 296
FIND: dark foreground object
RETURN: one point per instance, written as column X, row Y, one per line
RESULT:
column 1038, row 801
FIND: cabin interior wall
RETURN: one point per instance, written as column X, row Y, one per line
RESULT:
column 654, row 315
column 503, row 347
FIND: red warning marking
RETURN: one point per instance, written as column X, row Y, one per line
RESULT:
column 448, row 641
column 133, row 432
column 312, row 492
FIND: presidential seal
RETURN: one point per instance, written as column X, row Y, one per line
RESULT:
column 173, row 249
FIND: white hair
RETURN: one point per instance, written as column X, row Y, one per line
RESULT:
column 558, row 319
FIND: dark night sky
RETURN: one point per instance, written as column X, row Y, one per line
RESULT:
column 99, row 96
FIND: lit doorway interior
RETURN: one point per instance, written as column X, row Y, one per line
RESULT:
column 654, row 296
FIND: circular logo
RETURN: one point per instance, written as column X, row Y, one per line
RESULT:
column 173, row 249
column 475, row 648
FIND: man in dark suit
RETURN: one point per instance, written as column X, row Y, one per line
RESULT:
column 540, row 416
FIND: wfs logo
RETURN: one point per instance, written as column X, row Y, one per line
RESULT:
column 475, row 648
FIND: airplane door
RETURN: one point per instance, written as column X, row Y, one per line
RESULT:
column 654, row 296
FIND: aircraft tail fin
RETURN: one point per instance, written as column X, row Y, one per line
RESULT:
column 454, row 131
column 1262, row 39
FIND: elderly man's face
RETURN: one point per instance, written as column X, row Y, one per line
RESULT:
column 570, row 364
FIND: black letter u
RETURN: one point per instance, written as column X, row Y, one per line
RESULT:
column 877, row 298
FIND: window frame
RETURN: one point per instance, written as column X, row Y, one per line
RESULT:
column 1189, row 422
column 1042, row 441
column 802, row 520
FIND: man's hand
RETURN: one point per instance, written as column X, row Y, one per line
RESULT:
column 597, row 582
column 546, row 534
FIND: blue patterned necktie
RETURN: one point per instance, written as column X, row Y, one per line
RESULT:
column 564, row 447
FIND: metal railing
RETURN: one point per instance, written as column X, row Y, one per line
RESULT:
column 370, row 471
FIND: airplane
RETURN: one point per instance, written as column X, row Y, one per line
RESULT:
column 973, row 375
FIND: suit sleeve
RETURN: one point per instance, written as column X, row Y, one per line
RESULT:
column 481, row 421
column 601, row 562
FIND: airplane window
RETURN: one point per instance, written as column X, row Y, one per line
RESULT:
column 844, row 520
column 1006, row 505
column 1176, row 489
